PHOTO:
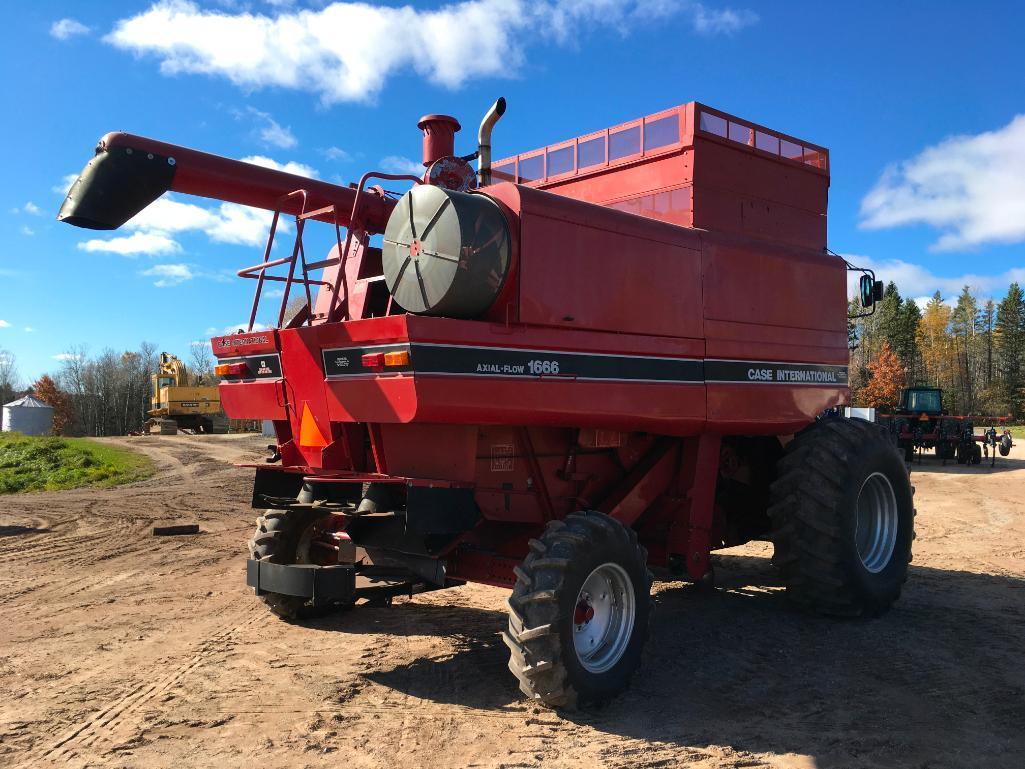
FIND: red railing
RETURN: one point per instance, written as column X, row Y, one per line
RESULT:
column 355, row 228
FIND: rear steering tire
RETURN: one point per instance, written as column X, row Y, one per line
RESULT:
column 285, row 536
column 578, row 615
column 843, row 519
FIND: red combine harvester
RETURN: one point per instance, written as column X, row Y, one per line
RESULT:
column 620, row 351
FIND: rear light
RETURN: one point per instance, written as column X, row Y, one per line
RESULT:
column 373, row 360
column 398, row 358
column 231, row 369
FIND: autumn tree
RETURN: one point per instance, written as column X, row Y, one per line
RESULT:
column 46, row 390
column 934, row 339
column 887, row 378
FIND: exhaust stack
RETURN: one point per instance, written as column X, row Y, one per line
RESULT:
column 484, row 140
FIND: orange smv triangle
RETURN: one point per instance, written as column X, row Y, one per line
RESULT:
column 310, row 435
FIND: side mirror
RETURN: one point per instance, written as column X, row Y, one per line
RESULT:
column 867, row 289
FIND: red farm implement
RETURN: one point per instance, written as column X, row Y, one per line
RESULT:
column 621, row 351
column 920, row 422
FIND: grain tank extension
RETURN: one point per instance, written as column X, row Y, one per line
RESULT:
column 555, row 373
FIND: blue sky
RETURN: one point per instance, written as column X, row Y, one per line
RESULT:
column 917, row 102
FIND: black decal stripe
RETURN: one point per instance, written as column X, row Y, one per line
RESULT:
column 432, row 359
column 348, row 361
column 766, row 372
column 266, row 366
column 492, row 361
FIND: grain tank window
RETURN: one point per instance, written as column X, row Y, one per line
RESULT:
column 505, row 172
column 591, row 152
column 532, row 168
column 740, row 133
column 624, row 143
column 661, row 132
column 712, row 124
column 813, row 157
column 790, row 150
column 560, row 161
column 766, row 142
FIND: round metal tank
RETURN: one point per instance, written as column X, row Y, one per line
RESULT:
column 28, row 416
column 445, row 252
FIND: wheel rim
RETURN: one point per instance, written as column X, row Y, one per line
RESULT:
column 603, row 617
column 313, row 548
column 876, row 532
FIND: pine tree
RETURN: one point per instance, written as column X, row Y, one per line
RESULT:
column 964, row 324
column 1010, row 330
column 907, row 342
column 989, row 311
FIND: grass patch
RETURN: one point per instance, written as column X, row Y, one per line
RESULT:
column 51, row 464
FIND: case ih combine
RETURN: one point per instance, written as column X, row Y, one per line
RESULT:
column 920, row 422
column 551, row 374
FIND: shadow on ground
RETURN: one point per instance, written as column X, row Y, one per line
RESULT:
column 937, row 682
column 14, row 531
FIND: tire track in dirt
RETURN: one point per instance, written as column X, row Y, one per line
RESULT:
column 121, row 717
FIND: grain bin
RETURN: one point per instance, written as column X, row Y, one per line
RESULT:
column 28, row 416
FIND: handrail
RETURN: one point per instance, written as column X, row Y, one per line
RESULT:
column 355, row 225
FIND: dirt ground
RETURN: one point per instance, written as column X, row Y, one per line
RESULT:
column 120, row 649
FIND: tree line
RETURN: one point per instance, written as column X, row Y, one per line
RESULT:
column 104, row 394
column 973, row 349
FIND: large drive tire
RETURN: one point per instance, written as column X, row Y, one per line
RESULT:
column 578, row 615
column 843, row 519
column 282, row 536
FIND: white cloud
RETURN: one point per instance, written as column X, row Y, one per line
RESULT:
column 32, row 208
column 916, row 281
column 26, row 230
column 240, row 225
column 169, row 274
column 269, row 131
column 346, row 51
column 724, row 22
column 971, row 188
column 65, row 184
column 151, row 243
column 396, row 164
column 227, row 223
column 337, row 154
column 291, row 167
column 64, row 356
column 66, row 29
column 29, row 329
column 4, row 324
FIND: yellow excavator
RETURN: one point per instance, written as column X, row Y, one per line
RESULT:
column 176, row 406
